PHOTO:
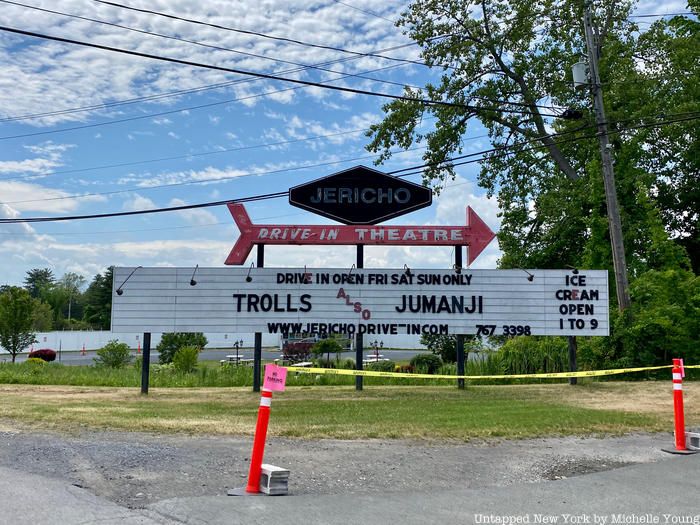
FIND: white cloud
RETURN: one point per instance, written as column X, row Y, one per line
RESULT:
column 195, row 216
column 28, row 166
column 49, row 156
column 20, row 228
column 74, row 76
column 23, row 196
column 460, row 193
column 209, row 175
column 138, row 202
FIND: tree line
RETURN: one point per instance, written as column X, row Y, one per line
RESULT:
column 65, row 303
column 506, row 65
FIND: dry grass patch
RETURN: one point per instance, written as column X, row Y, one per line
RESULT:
column 421, row 412
column 644, row 397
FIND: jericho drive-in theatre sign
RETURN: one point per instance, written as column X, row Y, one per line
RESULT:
column 476, row 235
column 361, row 301
column 360, row 195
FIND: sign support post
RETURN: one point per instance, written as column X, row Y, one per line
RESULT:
column 460, row 338
column 257, row 353
column 573, row 365
column 146, row 362
column 358, row 337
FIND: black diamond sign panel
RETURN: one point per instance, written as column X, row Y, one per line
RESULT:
column 360, row 195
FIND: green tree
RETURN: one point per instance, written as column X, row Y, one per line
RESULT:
column 98, row 300
column 327, row 346
column 56, row 296
column 37, row 279
column 505, row 61
column 73, row 284
column 664, row 322
column 170, row 343
column 42, row 318
column 443, row 345
column 16, row 313
column 669, row 51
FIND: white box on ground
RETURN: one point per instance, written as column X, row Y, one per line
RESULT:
column 274, row 480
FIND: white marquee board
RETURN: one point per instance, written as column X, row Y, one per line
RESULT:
column 369, row 301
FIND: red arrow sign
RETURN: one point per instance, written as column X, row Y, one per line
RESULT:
column 476, row 235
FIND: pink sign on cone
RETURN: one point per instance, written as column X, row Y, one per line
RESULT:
column 275, row 378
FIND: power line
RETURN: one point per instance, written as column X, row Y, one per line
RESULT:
column 258, row 34
column 506, row 149
column 168, row 112
column 206, row 87
column 143, row 230
column 501, row 150
column 209, row 180
column 178, row 157
column 142, row 212
column 194, row 42
column 364, row 11
column 267, row 76
column 301, row 67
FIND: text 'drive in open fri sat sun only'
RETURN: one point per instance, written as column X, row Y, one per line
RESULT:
column 352, row 301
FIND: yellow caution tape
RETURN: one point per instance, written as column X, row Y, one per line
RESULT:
column 552, row 375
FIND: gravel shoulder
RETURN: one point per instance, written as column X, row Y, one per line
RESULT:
column 137, row 469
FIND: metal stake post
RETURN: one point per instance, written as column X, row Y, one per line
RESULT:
column 460, row 338
column 573, row 365
column 146, row 362
column 358, row 337
column 257, row 353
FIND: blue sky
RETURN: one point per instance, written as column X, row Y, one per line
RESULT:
column 255, row 136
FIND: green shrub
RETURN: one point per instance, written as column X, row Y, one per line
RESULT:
column 327, row 346
column 347, row 364
column 185, row 359
column 533, row 355
column 170, row 343
column 447, row 369
column 426, row 363
column 113, row 355
column 382, row 366
column 322, row 362
column 35, row 361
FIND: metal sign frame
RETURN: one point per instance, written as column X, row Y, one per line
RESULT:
column 373, row 302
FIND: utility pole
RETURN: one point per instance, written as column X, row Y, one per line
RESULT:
column 615, row 226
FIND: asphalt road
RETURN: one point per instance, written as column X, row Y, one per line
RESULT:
column 132, row 478
column 77, row 358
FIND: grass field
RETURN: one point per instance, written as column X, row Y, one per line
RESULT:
column 417, row 412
